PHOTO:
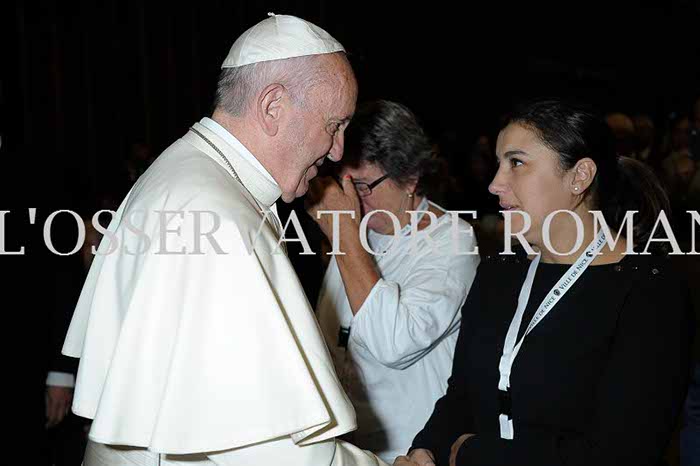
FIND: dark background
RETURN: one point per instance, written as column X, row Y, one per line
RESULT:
column 84, row 80
column 81, row 81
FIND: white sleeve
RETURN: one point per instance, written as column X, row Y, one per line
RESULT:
column 399, row 324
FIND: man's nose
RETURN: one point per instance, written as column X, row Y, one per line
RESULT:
column 336, row 152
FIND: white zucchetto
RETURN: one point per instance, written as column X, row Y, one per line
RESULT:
column 279, row 37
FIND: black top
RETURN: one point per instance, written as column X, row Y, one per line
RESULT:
column 599, row 381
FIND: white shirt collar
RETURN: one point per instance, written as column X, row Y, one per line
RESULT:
column 236, row 144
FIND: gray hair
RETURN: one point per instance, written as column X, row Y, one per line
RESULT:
column 238, row 86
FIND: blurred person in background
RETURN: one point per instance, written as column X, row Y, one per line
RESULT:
column 623, row 130
column 645, row 140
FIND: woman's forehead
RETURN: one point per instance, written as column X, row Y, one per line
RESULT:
column 363, row 169
column 516, row 137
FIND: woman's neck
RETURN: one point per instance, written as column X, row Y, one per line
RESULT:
column 403, row 216
column 411, row 203
column 563, row 239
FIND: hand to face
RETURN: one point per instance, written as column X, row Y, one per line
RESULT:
column 417, row 457
column 326, row 194
column 456, row 446
column 58, row 401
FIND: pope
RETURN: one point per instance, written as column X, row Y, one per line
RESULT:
column 196, row 341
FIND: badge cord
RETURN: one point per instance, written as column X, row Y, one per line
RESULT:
column 510, row 349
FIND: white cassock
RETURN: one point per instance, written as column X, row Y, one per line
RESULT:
column 212, row 348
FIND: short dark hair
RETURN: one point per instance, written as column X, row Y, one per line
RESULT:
column 389, row 135
column 575, row 131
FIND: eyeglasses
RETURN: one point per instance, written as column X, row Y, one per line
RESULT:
column 365, row 189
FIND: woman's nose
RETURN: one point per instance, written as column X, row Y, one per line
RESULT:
column 498, row 184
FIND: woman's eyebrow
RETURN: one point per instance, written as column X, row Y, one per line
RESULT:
column 512, row 153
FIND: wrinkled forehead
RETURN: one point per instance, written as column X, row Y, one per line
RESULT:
column 338, row 90
column 339, row 67
column 346, row 82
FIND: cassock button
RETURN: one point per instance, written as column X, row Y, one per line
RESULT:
column 618, row 268
column 655, row 271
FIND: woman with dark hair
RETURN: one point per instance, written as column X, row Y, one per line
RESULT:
column 390, row 318
column 577, row 354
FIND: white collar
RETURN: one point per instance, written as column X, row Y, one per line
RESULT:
column 236, row 144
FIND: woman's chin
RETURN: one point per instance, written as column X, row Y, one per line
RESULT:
column 380, row 228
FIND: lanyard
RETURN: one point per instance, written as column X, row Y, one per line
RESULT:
column 510, row 348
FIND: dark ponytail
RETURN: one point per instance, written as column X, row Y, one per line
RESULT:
column 637, row 188
column 621, row 184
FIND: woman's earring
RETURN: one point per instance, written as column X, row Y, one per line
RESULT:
column 575, row 188
column 410, row 195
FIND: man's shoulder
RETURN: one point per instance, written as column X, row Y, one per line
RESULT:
column 184, row 175
column 183, row 165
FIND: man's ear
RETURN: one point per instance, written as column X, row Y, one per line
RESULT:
column 583, row 174
column 269, row 108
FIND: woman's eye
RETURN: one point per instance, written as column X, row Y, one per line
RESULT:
column 516, row 162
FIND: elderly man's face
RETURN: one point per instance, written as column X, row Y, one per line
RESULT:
column 319, row 127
